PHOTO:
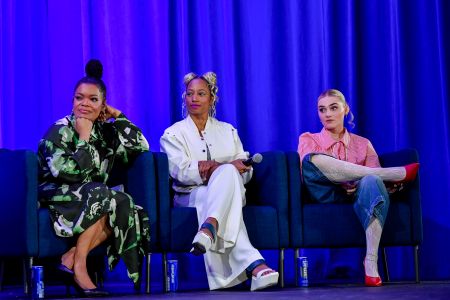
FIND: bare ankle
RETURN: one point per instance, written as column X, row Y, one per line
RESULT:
column 207, row 232
column 67, row 259
column 212, row 221
column 261, row 267
column 206, row 227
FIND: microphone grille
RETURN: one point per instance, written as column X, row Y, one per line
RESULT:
column 257, row 158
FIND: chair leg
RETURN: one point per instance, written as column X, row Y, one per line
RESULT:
column 27, row 265
column 2, row 266
column 147, row 271
column 98, row 278
column 296, row 256
column 386, row 269
column 165, row 283
column 416, row 262
column 281, row 267
column 97, row 270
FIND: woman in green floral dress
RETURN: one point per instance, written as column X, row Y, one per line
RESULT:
column 75, row 158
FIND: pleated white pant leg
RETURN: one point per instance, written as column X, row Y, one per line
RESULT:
column 223, row 199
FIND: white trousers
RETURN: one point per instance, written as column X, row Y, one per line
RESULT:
column 223, row 199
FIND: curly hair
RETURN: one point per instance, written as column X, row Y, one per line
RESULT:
column 211, row 80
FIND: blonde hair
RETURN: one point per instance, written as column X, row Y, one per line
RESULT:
column 211, row 80
column 338, row 94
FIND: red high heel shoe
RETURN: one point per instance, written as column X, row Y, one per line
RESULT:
column 411, row 173
column 371, row 281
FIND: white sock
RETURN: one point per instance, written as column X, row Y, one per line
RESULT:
column 373, row 235
column 339, row 171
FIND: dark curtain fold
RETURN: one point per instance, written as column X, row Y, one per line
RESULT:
column 272, row 58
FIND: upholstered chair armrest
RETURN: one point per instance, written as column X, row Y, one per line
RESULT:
column 141, row 185
column 18, row 203
column 163, row 198
column 295, row 198
column 411, row 191
column 269, row 187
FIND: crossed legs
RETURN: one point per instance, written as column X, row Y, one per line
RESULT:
column 219, row 205
column 76, row 257
column 339, row 171
column 258, row 268
column 371, row 199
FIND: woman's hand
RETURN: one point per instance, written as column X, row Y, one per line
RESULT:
column 109, row 112
column 206, row 168
column 239, row 165
column 83, row 127
column 393, row 187
column 350, row 187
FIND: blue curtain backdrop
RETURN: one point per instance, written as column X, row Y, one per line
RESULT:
column 272, row 58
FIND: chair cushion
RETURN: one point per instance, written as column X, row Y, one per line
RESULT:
column 398, row 228
column 325, row 220
column 332, row 225
column 184, row 227
column 49, row 243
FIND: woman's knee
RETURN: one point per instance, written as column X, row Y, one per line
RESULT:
column 96, row 190
column 371, row 179
column 308, row 159
column 228, row 177
column 373, row 183
column 307, row 166
column 310, row 172
column 227, row 170
column 123, row 199
column 372, row 196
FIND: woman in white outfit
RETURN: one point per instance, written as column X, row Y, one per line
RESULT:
column 206, row 164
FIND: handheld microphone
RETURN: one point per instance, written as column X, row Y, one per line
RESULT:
column 255, row 159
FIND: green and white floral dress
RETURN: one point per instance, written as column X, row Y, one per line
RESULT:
column 72, row 183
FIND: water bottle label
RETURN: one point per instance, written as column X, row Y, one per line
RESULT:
column 37, row 282
column 302, row 271
column 172, row 275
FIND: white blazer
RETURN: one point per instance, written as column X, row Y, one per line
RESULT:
column 185, row 148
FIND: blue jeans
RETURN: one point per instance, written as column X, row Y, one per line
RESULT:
column 371, row 198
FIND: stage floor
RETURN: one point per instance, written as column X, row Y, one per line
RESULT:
column 424, row 290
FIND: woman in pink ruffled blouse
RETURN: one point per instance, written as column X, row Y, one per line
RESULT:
column 340, row 166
